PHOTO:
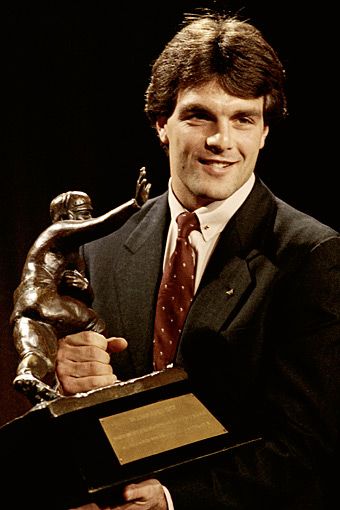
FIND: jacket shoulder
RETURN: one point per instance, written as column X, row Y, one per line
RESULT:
column 106, row 249
column 294, row 225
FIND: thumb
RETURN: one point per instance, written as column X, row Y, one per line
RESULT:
column 116, row 344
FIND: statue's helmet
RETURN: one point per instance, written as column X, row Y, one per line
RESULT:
column 71, row 205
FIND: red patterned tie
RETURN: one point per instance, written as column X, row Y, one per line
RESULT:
column 175, row 293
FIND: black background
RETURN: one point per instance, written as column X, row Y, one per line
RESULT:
column 73, row 78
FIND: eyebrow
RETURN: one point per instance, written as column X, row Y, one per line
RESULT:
column 199, row 107
column 253, row 112
column 193, row 107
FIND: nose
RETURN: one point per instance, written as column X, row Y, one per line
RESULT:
column 220, row 139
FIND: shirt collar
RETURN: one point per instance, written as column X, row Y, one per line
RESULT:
column 213, row 217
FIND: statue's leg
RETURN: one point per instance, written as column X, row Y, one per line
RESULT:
column 68, row 315
column 36, row 345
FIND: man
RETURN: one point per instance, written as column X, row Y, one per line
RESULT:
column 261, row 339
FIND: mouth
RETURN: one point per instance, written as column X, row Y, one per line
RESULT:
column 216, row 166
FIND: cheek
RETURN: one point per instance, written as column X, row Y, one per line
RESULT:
column 251, row 144
column 186, row 143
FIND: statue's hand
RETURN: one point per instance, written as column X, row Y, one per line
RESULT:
column 73, row 278
column 142, row 188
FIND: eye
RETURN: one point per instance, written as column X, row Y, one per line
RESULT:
column 200, row 115
column 195, row 114
column 244, row 120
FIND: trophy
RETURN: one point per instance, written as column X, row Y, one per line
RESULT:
column 54, row 297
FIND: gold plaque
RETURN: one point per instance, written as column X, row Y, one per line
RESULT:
column 159, row 427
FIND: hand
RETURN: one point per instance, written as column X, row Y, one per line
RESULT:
column 73, row 278
column 142, row 188
column 148, row 494
column 83, row 361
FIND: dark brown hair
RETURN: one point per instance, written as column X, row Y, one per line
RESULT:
column 224, row 48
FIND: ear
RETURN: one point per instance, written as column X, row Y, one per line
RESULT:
column 161, row 126
column 264, row 136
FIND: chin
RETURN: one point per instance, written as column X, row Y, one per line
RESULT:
column 212, row 193
column 214, row 188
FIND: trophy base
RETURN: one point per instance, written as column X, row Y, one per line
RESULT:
column 87, row 447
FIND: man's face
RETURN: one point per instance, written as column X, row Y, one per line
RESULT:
column 214, row 140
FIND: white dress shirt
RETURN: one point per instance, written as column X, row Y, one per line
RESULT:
column 213, row 218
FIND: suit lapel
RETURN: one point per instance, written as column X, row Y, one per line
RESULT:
column 140, row 267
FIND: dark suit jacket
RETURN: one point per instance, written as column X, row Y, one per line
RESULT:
column 263, row 357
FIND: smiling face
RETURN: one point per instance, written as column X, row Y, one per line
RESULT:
column 214, row 140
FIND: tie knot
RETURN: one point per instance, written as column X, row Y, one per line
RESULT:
column 187, row 222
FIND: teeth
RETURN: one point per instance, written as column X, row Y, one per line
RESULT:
column 219, row 165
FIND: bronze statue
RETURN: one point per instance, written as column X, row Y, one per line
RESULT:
column 54, row 296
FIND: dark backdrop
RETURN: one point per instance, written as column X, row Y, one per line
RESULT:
column 73, row 78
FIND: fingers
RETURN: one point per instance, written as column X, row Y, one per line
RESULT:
column 82, row 353
column 142, row 174
column 85, row 338
column 148, row 493
column 72, row 385
column 78, row 370
column 83, row 361
column 116, row 344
